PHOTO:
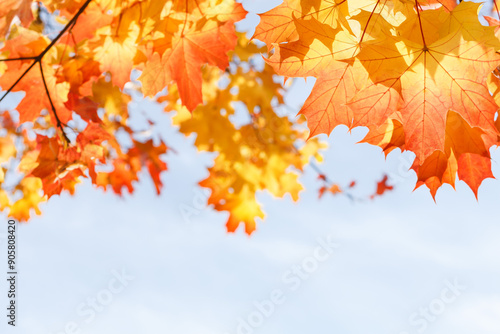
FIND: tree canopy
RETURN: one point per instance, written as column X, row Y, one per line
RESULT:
column 421, row 75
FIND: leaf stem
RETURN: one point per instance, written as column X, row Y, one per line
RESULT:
column 496, row 8
column 368, row 22
column 417, row 6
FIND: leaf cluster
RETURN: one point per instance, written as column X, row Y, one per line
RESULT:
column 419, row 74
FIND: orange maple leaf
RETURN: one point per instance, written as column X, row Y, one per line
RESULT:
column 182, row 63
column 9, row 9
column 279, row 24
column 382, row 187
column 334, row 189
column 36, row 96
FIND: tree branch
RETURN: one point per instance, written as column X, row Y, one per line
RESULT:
column 17, row 59
column 38, row 59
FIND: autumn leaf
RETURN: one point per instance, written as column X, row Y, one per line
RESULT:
column 183, row 61
column 465, row 153
column 36, row 96
column 382, row 187
column 473, row 169
column 9, row 9
column 150, row 156
column 334, row 189
column 116, row 56
column 30, row 200
column 96, row 16
column 278, row 25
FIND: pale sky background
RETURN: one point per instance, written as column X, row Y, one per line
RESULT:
column 394, row 254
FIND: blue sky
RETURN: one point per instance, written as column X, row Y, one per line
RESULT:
column 96, row 263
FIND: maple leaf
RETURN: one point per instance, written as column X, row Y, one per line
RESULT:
column 36, row 96
column 30, row 188
column 127, row 166
column 58, row 168
column 190, row 50
column 121, row 177
column 334, row 189
column 473, row 169
column 116, row 54
column 225, row 10
column 465, row 152
column 388, row 136
column 7, row 149
column 382, row 187
column 150, row 157
column 278, row 24
column 96, row 15
column 90, row 142
column 9, row 9
column 242, row 206
column 110, row 98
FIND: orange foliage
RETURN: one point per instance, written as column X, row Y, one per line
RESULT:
column 418, row 74
column 421, row 75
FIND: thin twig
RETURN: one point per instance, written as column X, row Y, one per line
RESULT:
column 59, row 123
column 18, row 59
